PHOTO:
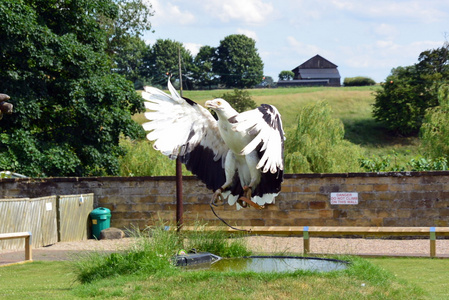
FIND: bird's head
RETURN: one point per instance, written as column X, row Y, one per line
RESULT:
column 221, row 107
column 217, row 104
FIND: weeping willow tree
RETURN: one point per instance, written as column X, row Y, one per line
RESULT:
column 317, row 144
column 435, row 128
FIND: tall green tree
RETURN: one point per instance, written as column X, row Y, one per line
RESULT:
column 317, row 144
column 162, row 59
column 408, row 91
column 401, row 103
column 203, row 74
column 124, row 43
column 435, row 128
column 286, row 75
column 69, row 109
column 237, row 62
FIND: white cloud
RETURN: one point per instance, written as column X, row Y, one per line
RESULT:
column 386, row 31
column 193, row 48
column 168, row 13
column 413, row 10
column 247, row 11
column 303, row 49
column 385, row 54
column 248, row 33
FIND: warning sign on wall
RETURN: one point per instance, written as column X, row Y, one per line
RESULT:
column 344, row 198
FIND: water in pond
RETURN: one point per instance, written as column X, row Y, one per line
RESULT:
column 279, row 264
column 260, row 263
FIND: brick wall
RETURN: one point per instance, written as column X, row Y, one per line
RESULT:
column 384, row 199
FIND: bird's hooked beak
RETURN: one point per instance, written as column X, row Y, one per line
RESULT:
column 212, row 104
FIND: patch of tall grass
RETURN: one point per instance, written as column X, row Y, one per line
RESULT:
column 142, row 160
column 154, row 252
column 217, row 242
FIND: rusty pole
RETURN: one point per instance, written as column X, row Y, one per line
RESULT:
column 179, row 202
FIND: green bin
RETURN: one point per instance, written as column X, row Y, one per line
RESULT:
column 101, row 219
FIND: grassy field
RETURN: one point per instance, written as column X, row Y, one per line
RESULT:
column 375, row 278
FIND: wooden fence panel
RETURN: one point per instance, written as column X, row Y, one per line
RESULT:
column 42, row 215
column 73, row 217
column 13, row 218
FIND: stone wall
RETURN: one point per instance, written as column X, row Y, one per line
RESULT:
column 384, row 199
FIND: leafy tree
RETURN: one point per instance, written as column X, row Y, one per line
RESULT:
column 435, row 129
column 433, row 67
column 268, row 81
column 237, row 62
column 402, row 101
column 286, row 75
column 203, row 74
column 409, row 91
column 129, row 61
column 69, row 109
column 317, row 144
column 162, row 59
column 124, row 43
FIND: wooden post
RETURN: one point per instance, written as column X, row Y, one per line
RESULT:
column 306, row 240
column 433, row 246
column 28, row 251
column 28, row 240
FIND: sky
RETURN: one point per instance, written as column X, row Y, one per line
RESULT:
column 362, row 37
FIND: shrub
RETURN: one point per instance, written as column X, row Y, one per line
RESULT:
column 358, row 81
column 435, row 129
column 240, row 100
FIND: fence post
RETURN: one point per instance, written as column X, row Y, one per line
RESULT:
column 28, row 251
column 433, row 246
column 306, row 240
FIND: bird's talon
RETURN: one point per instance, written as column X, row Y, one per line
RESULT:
column 218, row 197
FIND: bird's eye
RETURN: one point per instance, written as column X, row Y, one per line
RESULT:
column 219, row 103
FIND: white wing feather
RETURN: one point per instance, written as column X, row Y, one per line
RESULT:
column 178, row 126
column 271, row 139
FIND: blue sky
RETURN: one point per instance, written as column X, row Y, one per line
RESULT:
column 362, row 37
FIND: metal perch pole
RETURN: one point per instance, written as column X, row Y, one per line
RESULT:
column 179, row 202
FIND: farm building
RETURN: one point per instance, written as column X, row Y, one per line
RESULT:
column 315, row 71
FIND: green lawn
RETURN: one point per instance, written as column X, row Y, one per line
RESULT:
column 374, row 278
column 432, row 275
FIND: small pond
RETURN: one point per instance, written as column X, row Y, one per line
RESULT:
column 279, row 264
column 260, row 263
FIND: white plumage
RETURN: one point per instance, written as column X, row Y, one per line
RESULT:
column 239, row 156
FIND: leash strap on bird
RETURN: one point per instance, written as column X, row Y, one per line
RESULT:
column 212, row 204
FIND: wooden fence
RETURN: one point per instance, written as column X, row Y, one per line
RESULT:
column 73, row 216
column 320, row 231
column 37, row 215
column 46, row 218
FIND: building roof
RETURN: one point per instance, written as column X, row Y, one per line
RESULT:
column 316, row 62
column 318, row 73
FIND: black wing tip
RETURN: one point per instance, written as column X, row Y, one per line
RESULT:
column 190, row 101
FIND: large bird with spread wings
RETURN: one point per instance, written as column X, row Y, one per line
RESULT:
column 239, row 156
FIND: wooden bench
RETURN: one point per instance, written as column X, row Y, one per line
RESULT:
column 17, row 235
column 308, row 231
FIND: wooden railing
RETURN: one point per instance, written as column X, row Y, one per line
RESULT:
column 16, row 235
column 308, row 231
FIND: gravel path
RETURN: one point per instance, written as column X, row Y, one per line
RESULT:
column 258, row 244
